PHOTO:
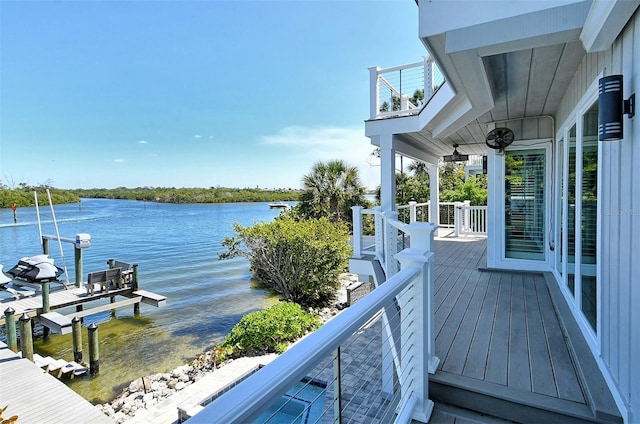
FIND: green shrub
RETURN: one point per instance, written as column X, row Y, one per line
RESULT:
column 302, row 260
column 270, row 330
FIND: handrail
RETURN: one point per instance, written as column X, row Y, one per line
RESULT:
column 396, row 85
column 262, row 389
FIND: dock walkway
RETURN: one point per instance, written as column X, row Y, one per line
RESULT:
column 38, row 397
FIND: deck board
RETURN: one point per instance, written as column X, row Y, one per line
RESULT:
column 37, row 397
column 476, row 362
column 496, row 371
column 542, row 378
column 518, row 374
column 456, row 359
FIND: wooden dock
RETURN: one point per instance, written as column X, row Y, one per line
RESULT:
column 35, row 396
column 79, row 298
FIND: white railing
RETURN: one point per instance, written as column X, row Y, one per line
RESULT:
column 403, row 90
column 408, row 294
column 470, row 220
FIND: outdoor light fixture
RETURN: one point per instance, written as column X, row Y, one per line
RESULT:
column 455, row 157
column 612, row 108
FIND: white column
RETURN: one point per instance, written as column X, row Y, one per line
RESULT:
column 357, row 231
column 434, row 193
column 390, row 244
column 418, row 352
column 387, row 173
column 412, row 212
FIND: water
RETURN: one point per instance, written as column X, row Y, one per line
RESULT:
column 176, row 248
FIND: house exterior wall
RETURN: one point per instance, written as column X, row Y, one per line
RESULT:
column 616, row 344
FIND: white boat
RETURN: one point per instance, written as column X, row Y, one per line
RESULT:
column 278, row 205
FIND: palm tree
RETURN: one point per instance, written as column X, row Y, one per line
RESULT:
column 330, row 189
column 418, row 168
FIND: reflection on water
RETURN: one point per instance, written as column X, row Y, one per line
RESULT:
column 176, row 248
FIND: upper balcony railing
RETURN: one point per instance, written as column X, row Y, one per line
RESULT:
column 403, row 90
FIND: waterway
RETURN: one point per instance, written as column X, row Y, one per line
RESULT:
column 176, row 248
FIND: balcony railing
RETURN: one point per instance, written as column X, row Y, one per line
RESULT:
column 405, row 355
column 403, row 90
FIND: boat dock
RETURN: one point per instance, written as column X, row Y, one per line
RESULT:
column 35, row 396
column 43, row 304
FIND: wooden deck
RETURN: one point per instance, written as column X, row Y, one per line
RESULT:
column 37, row 397
column 507, row 345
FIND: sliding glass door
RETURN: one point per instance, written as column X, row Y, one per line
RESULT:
column 524, row 204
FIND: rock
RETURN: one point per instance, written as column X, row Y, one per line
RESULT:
column 147, row 398
column 180, row 385
column 120, row 417
column 133, row 387
column 172, row 383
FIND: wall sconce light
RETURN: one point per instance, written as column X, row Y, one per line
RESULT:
column 612, row 108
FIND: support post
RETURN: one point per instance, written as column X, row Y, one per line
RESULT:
column 387, row 173
column 26, row 337
column 418, row 354
column 94, row 350
column 373, row 92
column 434, row 195
column 337, row 387
column 428, row 77
column 77, row 257
column 76, row 328
column 390, row 243
column 45, row 246
column 136, row 287
column 357, row 231
column 10, row 328
column 46, row 288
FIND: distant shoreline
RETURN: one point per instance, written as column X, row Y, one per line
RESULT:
column 23, row 197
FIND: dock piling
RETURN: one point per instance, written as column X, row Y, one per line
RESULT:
column 26, row 337
column 10, row 328
column 94, row 351
column 136, row 306
column 77, row 256
column 76, row 328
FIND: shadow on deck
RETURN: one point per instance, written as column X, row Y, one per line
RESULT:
column 509, row 346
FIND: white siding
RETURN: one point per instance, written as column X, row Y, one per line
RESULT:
column 618, row 343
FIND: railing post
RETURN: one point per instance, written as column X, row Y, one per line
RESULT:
column 337, row 387
column 373, row 92
column 467, row 216
column 357, row 231
column 390, row 243
column 457, row 218
column 428, row 77
column 77, row 258
column 417, row 338
column 412, row 212
column 379, row 236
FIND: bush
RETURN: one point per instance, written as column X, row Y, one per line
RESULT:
column 301, row 260
column 270, row 330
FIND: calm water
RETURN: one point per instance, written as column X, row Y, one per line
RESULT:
column 176, row 248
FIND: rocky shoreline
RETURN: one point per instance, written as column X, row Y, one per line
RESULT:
column 146, row 392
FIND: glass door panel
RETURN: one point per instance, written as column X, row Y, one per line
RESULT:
column 571, row 211
column 588, row 224
column 525, row 204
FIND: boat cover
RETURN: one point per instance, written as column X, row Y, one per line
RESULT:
column 36, row 269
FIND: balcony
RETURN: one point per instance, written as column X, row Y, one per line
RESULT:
column 403, row 90
column 438, row 330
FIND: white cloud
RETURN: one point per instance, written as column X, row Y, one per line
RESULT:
column 143, row 142
column 119, row 160
column 308, row 145
column 197, row 136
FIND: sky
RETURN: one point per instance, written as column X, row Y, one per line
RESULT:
column 192, row 93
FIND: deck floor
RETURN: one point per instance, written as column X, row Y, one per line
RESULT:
column 499, row 327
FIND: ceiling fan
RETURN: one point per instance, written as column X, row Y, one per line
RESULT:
column 455, row 157
column 499, row 138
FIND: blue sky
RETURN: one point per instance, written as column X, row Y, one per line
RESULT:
column 191, row 93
